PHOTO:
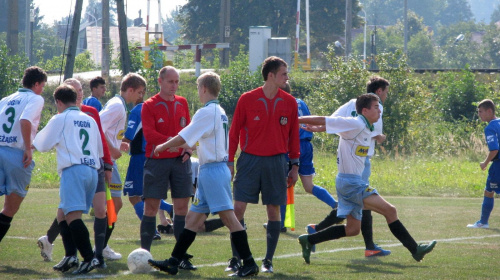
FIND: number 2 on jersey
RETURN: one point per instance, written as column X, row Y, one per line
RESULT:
column 85, row 135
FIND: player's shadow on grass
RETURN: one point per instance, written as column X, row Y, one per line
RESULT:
column 20, row 271
column 375, row 265
column 497, row 230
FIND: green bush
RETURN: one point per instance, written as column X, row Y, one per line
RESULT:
column 12, row 71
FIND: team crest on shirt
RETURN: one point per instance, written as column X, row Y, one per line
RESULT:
column 182, row 122
column 120, row 134
column 283, row 120
column 361, row 151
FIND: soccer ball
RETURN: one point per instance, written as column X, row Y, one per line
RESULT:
column 137, row 261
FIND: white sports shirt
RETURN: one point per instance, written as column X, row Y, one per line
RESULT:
column 22, row 105
column 113, row 119
column 354, row 144
column 349, row 110
column 75, row 136
column 210, row 127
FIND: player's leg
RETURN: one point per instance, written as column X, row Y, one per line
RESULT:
column 116, row 188
column 100, row 224
column 165, row 225
column 11, row 205
column 45, row 243
column 70, row 258
column 488, row 203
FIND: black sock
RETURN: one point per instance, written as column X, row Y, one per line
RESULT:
column 240, row 240
column 367, row 229
column 67, row 239
column 4, row 225
column 233, row 247
column 273, row 234
column 100, row 226
column 148, row 231
column 400, row 232
column 53, row 231
column 213, row 224
column 81, row 237
column 329, row 220
column 179, row 223
column 186, row 238
column 109, row 231
column 330, row 233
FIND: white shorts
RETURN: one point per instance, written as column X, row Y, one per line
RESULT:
column 214, row 189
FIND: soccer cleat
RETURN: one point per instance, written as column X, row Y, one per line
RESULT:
column 233, row 265
column 165, row 229
column 247, row 270
column 86, row 267
column 157, row 236
column 423, row 249
column 306, row 248
column 66, row 264
column 267, row 266
column 169, row 265
column 282, row 230
column 311, row 228
column 45, row 248
column 110, row 254
column 186, row 264
column 377, row 251
column 100, row 262
column 478, row 224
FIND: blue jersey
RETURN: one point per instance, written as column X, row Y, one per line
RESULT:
column 491, row 133
column 134, row 131
column 94, row 102
column 304, row 111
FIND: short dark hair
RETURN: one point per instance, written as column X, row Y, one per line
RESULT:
column 33, row 75
column 365, row 101
column 132, row 80
column 487, row 104
column 271, row 65
column 65, row 93
column 95, row 82
column 375, row 83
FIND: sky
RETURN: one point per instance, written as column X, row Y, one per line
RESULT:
column 57, row 9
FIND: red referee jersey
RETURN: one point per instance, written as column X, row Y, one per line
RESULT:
column 265, row 127
column 92, row 112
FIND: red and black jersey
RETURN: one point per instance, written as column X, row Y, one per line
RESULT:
column 92, row 112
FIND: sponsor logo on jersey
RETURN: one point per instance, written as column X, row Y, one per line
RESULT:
column 493, row 185
column 115, row 187
column 362, row 151
column 120, row 134
column 256, row 118
column 283, row 120
column 490, row 138
column 128, row 185
column 160, row 120
column 183, row 122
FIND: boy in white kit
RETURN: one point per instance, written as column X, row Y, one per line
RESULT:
column 75, row 136
column 209, row 127
column 19, row 119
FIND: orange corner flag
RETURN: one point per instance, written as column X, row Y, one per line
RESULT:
column 112, row 218
column 290, row 208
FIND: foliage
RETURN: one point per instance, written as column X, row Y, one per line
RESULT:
column 12, row 70
column 455, row 11
column 171, row 26
column 93, row 12
column 84, row 62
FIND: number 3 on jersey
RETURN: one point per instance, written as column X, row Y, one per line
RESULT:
column 12, row 112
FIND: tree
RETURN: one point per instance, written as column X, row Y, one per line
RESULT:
column 455, row 11
column 495, row 16
column 93, row 12
column 171, row 26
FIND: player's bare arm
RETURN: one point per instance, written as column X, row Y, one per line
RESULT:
column 26, row 133
column 490, row 157
column 171, row 143
column 380, row 138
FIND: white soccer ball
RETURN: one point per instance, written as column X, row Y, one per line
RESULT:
column 137, row 261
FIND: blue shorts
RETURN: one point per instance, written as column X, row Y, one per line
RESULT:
column 367, row 171
column 306, row 167
column 135, row 173
column 214, row 189
column 14, row 178
column 493, row 180
column 78, row 185
column 351, row 190
column 116, row 185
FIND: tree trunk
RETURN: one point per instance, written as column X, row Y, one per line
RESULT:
column 73, row 40
column 122, row 30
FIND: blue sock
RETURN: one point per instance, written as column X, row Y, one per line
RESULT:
column 283, row 213
column 323, row 195
column 139, row 209
column 166, row 206
column 486, row 209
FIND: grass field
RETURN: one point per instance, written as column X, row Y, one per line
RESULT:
column 461, row 253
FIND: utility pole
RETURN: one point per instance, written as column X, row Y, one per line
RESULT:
column 105, row 40
column 348, row 28
column 224, row 29
column 73, row 40
column 27, row 32
column 406, row 26
column 122, row 30
column 12, row 27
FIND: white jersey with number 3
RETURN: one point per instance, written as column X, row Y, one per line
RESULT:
column 354, row 144
column 22, row 105
column 209, row 126
column 76, row 138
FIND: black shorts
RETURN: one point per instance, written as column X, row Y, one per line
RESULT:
column 168, row 173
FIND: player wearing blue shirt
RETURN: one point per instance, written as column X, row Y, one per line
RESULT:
column 98, row 89
column 486, row 111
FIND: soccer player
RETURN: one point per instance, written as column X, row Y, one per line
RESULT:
column 98, row 90
column 353, row 192
column 99, row 201
column 213, row 195
column 113, row 120
column 19, row 118
column 380, row 87
column 265, row 124
column 486, row 111
column 163, row 116
column 75, row 136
